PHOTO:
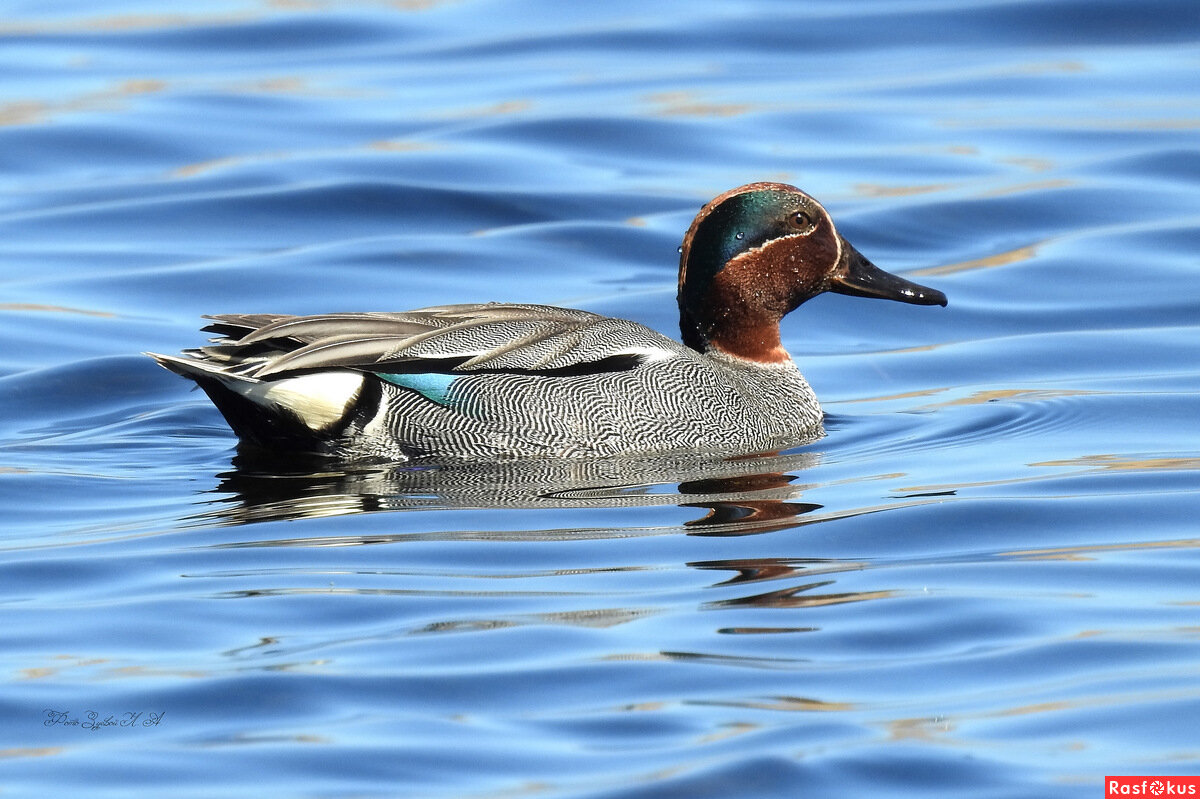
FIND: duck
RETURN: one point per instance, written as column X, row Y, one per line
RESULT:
column 499, row 381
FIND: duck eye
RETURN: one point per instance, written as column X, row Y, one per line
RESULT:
column 801, row 220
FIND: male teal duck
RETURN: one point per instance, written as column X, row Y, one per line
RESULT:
column 499, row 380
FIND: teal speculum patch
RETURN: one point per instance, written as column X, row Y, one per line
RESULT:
column 433, row 386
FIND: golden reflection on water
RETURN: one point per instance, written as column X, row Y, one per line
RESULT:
column 64, row 663
column 125, row 23
column 29, row 306
column 1051, row 68
column 70, row 665
column 1075, row 553
column 1025, row 188
column 727, row 731
column 1031, row 163
column 1118, row 463
column 1010, row 394
column 112, row 100
column 1084, row 465
column 295, row 85
column 926, row 392
column 926, row 730
column 689, row 104
column 404, row 146
column 1076, row 123
column 231, row 162
column 1081, row 466
column 1114, row 699
column 1017, row 255
column 501, row 108
column 31, row 751
column 339, row 5
column 879, row 190
column 37, row 112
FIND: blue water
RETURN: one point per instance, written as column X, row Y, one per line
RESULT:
column 984, row 581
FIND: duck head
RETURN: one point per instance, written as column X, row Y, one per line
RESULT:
column 754, row 254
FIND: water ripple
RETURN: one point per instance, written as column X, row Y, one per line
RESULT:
column 980, row 582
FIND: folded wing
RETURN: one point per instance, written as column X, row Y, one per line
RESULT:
column 492, row 337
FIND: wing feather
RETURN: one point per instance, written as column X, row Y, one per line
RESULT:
column 314, row 328
column 457, row 338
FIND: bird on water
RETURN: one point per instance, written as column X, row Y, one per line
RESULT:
column 505, row 380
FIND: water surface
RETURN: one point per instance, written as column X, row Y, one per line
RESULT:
column 982, row 581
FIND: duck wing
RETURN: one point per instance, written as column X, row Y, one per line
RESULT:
column 491, row 337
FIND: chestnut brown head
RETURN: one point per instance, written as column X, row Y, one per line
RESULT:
column 754, row 254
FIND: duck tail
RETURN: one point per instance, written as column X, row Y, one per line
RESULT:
column 302, row 412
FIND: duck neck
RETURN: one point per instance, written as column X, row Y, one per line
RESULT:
column 737, row 332
column 733, row 301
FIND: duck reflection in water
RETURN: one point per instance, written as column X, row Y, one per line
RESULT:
column 738, row 496
column 734, row 497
